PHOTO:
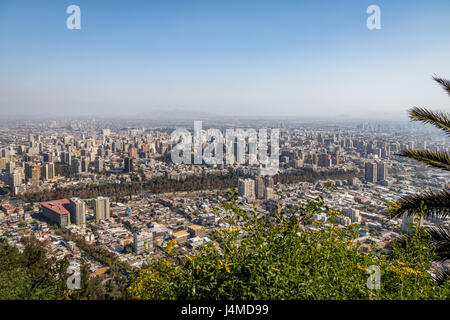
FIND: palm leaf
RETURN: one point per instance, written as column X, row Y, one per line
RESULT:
column 433, row 158
column 441, row 275
column 434, row 204
column 438, row 119
column 444, row 83
column 440, row 235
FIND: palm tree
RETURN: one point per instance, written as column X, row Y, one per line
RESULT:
column 430, row 203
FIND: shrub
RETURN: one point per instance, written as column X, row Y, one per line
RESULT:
column 273, row 257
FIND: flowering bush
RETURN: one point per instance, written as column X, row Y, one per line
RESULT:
column 274, row 257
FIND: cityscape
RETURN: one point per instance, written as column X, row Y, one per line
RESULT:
column 115, row 188
column 200, row 151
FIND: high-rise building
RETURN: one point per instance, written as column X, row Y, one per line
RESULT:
column 260, row 188
column 324, row 160
column 246, row 188
column 84, row 165
column 98, row 165
column 32, row 173
column 48, row 157
column 142, row 242
column 15, row 180
column 48, row 171
column 76, row 166
column 353, row 214
column 10, row 166
column 128, row 164
column 381, row 171
column 77, row 209
column 102, row 211
column 371, row 172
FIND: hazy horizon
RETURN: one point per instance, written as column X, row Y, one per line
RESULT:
column 232, row 58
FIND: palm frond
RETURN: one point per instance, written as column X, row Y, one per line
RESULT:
column 440, row 235
column 433, row 158
column 444, row 83
column 438, row 119
column 441, row 275
column 434, row 204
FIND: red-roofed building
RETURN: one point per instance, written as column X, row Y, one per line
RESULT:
column 57, row 211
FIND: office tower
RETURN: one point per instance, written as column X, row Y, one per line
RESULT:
column 35, row 175
column 48, row 171
column 10, row 166
column 324, row 160
column 102, row 211
column 142, row 242
column 128, row 164
column 28, row 171
column 98, row 165
column 48, row 157
column 15, row 180
column 84, row 165
column 260, row 188
column 381, row 171
column 371, row 172
column 76, row 166
column 77, row 209
column 68, row 158
column 32, row 173
column 246, row 188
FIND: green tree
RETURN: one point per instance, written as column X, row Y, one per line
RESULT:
column 30, row 275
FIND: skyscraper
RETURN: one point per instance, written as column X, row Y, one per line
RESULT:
column 10, row 166
column 128, row 164
column 77, row 209
column 381, row 171
column 260, row 187
column 48, row 171
column 102, row 211
column 98, row 165
column 246, row 188
column 371, row 172
column 84, row 165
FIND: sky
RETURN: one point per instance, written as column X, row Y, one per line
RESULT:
column 283, row 58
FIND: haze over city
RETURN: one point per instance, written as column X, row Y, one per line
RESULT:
column 252, row 58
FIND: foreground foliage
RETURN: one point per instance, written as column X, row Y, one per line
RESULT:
column 258, row 257
column 30, row 275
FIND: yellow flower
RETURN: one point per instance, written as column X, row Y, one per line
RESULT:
column 403, row 271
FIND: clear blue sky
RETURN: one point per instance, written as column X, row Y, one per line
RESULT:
column 247, row 57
